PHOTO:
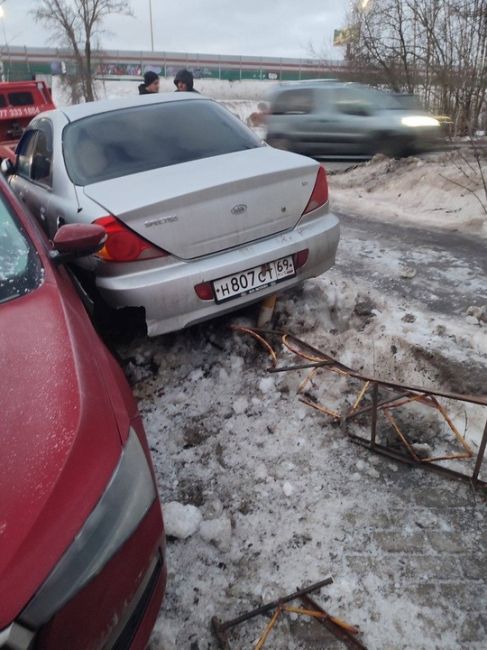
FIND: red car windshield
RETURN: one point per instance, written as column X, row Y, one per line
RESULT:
column 20, row 266
column 132, row 140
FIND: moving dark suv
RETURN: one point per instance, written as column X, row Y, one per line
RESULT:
column 332, row 118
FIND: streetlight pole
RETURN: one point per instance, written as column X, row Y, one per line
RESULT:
column 151, row 27
column 2, row 19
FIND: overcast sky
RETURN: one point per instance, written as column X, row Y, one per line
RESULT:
column 249, row 27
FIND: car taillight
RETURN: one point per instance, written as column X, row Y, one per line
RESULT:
column 300, row 258
column 124, row 245
column 319, row 195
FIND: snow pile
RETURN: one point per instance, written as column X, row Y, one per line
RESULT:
column 444, row 190
column 279, row 489
column 181, row 521
column 253, row 91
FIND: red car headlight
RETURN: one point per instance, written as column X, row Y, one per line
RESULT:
column 127, row 498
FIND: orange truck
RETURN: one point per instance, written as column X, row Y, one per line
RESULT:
column 20, row 101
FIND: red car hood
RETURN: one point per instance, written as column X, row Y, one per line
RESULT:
column 59, row 438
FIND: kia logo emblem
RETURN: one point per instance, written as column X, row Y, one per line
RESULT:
column 239, row 209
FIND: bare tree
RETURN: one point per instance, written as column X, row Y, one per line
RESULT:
column 77, row 24
column 456, row 31
column 435, row 48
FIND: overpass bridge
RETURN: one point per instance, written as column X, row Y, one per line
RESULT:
column 26, row 62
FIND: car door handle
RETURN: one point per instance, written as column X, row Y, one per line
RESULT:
column 21, row 196
column 42, row 211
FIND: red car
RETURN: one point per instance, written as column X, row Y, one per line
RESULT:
column 81, row 534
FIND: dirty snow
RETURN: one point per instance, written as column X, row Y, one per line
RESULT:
column 263, row 494
column 285, row 499
column 443, row 190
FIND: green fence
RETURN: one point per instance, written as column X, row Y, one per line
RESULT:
column 16, row 69
column 20, row 71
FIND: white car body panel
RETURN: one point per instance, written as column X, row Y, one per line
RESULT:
column 215, row 216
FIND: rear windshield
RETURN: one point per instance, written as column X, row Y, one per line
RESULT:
column 20, row 267
column 132, row 140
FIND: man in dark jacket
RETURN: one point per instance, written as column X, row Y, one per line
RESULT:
column 184, row 82
column 150, row 85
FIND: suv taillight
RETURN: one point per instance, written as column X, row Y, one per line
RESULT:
column 319, row 195
column 124, row 245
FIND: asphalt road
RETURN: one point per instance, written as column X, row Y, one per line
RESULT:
column 446, row 272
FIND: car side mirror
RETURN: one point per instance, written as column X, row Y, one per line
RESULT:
column 77, row 240
column 7, row 167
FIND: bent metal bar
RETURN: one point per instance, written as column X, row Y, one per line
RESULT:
column 401, row 394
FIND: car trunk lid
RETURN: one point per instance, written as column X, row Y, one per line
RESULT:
column 206, row 206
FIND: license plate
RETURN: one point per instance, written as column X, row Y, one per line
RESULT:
column 245, row 282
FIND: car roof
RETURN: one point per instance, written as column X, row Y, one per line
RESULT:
column 318, row 83
column 311, row 84
column 79, row 111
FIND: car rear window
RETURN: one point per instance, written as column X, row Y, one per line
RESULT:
column 137, row 139
column 20, row 266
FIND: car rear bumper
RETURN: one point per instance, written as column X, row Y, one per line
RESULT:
column 167, row 292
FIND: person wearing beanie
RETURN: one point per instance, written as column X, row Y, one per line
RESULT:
column 150, row 85
column 184, row 82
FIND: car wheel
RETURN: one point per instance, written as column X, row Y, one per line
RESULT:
column 393, row 146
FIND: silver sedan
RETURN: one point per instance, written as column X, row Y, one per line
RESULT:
column 202, row 217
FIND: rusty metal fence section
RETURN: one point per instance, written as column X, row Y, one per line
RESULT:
column 339, row 628
column 383, row 397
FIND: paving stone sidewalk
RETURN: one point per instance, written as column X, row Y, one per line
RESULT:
column 425, row 550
